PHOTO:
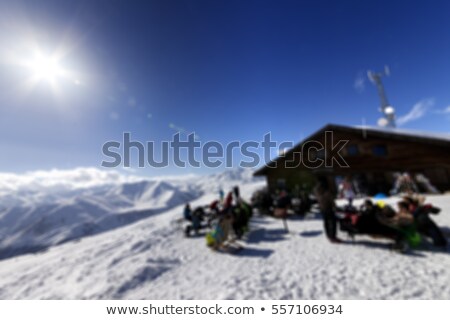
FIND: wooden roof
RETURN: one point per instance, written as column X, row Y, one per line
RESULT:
column 401, row 135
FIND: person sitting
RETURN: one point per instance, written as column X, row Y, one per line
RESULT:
column 346, row 191
column 396, row 219
column 214, row 207
column 241, row 217
column 187, row 212
column 196, row 218
column 228, row 203
column 404, row 216
column 403, row 222
column 218, row 237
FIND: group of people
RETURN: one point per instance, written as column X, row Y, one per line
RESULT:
column 404, row 183
column 226, row 218
column 279, row 202
column 406, row 225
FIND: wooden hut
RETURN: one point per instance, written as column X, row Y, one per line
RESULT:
column 370, row 156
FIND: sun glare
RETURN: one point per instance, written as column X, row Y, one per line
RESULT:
column 46, row 68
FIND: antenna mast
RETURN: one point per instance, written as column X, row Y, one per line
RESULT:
column 388, row 111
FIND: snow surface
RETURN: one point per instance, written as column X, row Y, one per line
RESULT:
column 150, row 259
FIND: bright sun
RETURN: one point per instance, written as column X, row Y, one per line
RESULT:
column 48, row 71
column 46, row 68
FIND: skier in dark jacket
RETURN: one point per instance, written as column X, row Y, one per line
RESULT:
column 237, row 193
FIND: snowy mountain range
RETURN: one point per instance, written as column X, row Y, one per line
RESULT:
column 42, row 209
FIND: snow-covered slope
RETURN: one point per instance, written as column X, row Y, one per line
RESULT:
column 152, row 260
column 42, row 209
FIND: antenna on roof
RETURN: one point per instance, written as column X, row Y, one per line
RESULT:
column 388, row 111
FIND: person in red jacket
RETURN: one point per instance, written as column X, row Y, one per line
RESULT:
column 228, row 201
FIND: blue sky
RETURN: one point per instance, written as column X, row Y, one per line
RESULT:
column 228, row 70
